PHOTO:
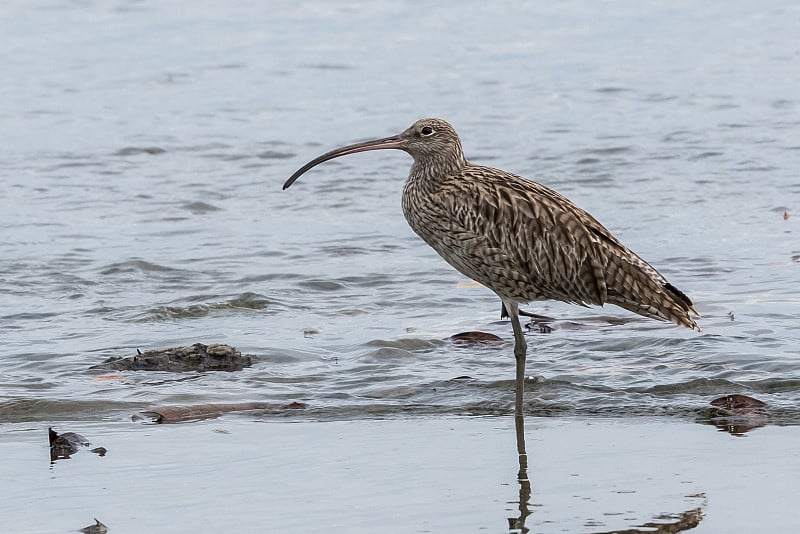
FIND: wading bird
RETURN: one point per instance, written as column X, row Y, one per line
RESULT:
column 519, row 238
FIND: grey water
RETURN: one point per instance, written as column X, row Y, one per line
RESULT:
column 145, row 145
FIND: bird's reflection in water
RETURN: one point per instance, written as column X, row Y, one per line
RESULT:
column 667, row 523
column 517, row 524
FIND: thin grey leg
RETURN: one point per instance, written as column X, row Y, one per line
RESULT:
column 520, row 352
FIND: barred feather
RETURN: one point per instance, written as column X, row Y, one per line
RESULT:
column 525, row 241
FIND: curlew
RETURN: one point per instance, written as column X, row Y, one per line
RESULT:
column 521, row 239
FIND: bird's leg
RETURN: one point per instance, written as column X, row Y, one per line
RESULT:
column 520, row 352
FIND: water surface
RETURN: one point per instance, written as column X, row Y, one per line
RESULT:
column 141, row 204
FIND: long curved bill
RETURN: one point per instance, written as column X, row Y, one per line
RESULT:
column 394, row 141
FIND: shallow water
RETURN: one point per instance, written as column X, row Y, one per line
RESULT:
column 141, row 202
column 142, row 205
column 421, row 474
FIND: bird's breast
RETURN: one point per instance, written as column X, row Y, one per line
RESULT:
column 424, row 210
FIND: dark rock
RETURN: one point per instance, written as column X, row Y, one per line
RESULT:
column 738, row 414
column 476, row 337
column 197, row 357
column 739, row 405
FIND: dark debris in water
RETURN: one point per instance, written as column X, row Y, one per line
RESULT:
column 197, row 357
column 68, row 442
column 97, row 528
column 542, row 328
column 64, row 445
column 476, row 337
column 180, row 414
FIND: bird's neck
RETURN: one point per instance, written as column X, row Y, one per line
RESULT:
column 431, row 170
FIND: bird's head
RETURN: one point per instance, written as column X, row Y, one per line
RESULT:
column 429, row 141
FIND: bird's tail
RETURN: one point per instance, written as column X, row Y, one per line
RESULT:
column 636, row 286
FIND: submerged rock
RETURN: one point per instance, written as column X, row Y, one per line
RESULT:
column 738, row 414
column 741, row 405
column 476, row 337
column 197, row 357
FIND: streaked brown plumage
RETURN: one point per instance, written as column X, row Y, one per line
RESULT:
column 521, row 239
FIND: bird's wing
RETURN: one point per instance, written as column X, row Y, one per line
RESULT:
column 521, row 242
column 529, row 242
column 631, row 282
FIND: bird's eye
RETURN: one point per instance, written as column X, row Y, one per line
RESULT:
column 426, row 131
